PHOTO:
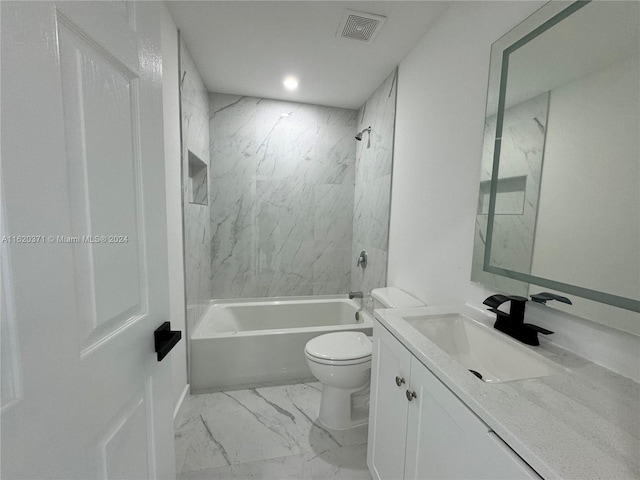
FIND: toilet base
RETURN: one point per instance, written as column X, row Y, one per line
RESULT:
column 339, row 409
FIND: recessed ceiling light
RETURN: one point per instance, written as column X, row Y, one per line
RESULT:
column 290, row 83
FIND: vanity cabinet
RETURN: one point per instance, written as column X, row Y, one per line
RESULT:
column 418, row 429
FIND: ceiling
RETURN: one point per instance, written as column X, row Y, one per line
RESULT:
column 248, row 47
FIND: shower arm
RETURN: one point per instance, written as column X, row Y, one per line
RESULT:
column 359, row 135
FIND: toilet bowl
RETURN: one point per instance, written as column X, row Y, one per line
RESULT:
column 341, row 361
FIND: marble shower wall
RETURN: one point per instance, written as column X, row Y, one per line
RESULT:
column 281, row 197
column 197, row 227
column 374, row 159
column 521, row 156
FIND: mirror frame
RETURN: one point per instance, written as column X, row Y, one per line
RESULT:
column 544, row 18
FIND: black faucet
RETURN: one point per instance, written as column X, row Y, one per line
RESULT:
column 353, row 295
column 513, row 323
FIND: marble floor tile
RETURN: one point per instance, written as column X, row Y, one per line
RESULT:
column 340, row 463
column 265, row 432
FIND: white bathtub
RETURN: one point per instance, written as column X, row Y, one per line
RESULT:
column 240, row 343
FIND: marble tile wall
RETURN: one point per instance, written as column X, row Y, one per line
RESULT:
column 281, row 191
column 197, row 227
column 521, row 155
column 374, row 158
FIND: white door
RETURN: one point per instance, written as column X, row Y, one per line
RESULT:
column 84, row 264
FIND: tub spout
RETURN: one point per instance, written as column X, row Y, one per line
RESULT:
column 353, row 295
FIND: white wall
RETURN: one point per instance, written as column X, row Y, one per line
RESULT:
column 171, row 112
column 442, row 88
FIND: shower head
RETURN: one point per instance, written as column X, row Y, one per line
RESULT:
column 359, row 135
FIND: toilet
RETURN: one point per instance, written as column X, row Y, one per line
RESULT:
column 341, row 361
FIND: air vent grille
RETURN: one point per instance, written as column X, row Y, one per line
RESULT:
column 360, row 26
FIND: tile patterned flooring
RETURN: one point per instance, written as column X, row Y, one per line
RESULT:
column 266, row 433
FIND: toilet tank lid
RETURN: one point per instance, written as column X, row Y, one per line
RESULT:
column 393, row 297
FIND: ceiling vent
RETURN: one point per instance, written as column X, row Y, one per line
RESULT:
column 360, row 26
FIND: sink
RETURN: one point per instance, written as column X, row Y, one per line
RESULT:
column 490, row 355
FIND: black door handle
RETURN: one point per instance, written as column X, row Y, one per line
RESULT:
column 165, row 339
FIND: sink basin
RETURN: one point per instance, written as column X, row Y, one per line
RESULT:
column 490, row 355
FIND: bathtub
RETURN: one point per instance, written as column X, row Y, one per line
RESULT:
column 249, row 342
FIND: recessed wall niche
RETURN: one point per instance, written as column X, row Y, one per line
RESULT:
column 510, row 196
column 197, row 180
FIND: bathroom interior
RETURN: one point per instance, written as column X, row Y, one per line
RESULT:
column 433, row 272
column 294, row 204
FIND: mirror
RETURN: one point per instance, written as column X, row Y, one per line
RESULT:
column 559, row 203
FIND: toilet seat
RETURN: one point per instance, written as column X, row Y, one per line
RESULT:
column 339, row 348
column 338, row 363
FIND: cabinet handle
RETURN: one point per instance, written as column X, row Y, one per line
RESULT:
column 399, row 381
column 411, row 395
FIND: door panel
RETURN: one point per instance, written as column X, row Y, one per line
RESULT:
column 121, row 443
column 104, row 169
column 388, row 427
column 83, row 168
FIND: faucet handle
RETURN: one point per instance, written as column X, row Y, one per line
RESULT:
column 542, row 298
column 536, row 328
column 362, row 259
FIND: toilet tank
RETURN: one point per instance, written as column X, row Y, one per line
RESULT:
column 393, row 297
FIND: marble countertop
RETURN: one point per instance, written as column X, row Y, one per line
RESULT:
column 582, row 424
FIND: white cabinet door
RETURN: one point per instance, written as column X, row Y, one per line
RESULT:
column 388, row 408
column 83, row 183
column 445, row 440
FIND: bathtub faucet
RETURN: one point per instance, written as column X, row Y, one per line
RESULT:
column 353, row 295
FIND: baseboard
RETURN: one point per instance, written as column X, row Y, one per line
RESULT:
column 180, row 405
